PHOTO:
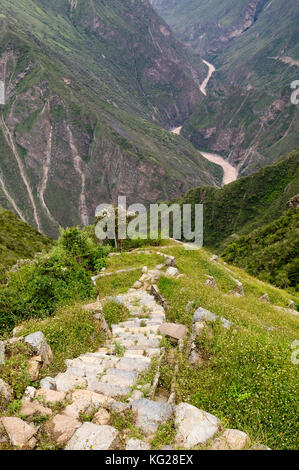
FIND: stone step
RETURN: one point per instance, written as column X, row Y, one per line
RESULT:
column 107, row 389
column 151, row 329
column 66, row 382
column 134, row 364
column 143, row 344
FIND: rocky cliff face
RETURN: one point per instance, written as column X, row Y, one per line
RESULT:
column 85, row 82
column 248, row 116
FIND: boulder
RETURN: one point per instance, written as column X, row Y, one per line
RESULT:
column 48, row 383
column 194, row 426
column 215, row 258
column 172, row 272
column 231, row 439
column 291, row 306
column 137, row 444
column 137, row 285
column 144, row 270
column 150, row 414
column 91, row 436
column 20, row 433
column 171, row 261
column 201, row 314
column 6, row 392
column 173, row 330
column 211, row 282
column 39, row 343
column 101, row 417
column 61, row 428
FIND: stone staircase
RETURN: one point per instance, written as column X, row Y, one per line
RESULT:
column 106, row 382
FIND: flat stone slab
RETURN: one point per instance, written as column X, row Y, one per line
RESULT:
column 174, row 330
column 96, row 399
column 149, row 414
column 91, row 436
column 65, row 382
column 138, row 365
column 194, row 426
column 108, row 389
column 50, row 396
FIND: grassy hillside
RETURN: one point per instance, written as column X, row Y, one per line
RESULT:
column 248, row 203
column 18, row 241
column 245, row 375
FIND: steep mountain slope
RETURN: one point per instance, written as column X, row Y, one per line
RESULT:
column 85, row 82
column 248, row 203
column 18, row 241
column 271, row 252
column 248, row 116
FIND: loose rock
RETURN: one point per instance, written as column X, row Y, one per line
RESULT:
column 173, row 330
column 20, row 433
column 6, row 392
column 90, row 436
column 194, row 426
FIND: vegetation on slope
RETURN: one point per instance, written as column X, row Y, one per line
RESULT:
column 18, row 241
column 247, row 203
column 52, row 280
column 271, row 252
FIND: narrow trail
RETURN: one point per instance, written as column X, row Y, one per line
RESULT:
column 78, row 167
column 230, row 173
column 11, row 200
column 9, row 139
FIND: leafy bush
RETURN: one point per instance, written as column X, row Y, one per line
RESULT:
column 57, row 279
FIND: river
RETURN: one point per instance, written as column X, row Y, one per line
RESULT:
column 230, row 173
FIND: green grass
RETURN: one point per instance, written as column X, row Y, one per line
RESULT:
column 247, row 377
column 70, row 333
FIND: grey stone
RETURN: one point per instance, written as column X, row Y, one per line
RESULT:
column 291, row 306
column 6, row 392
column 107, row 389
column 149, row 414
column 137, row 444
column 138, row 365
column 201, row 314
column 172, row 271
column 194, row 426
column 91, row 436
column 48, row 383
column 39, row 343
column 231, row 439
column 119, row 406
